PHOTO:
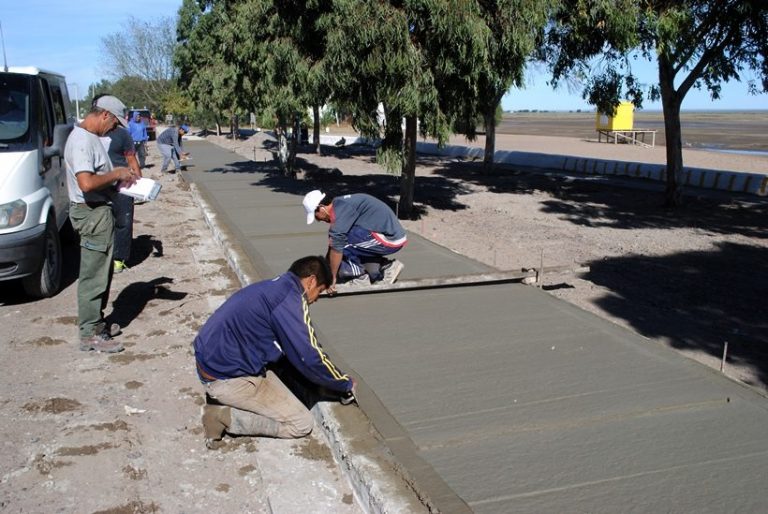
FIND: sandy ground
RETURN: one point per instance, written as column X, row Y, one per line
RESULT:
column 693, row 279
column 120, row 434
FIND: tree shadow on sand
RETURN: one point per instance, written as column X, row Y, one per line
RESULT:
column 694, row 300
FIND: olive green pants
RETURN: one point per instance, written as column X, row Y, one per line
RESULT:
column 96, row 228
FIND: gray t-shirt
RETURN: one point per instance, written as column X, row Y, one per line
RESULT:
column 85, row 153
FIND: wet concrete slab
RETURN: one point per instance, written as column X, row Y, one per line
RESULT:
column 506, row 399
column 523, row 403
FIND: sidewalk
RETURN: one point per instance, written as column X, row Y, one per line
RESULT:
column 502, row 398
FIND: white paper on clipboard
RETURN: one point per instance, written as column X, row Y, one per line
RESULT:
column 144, row 189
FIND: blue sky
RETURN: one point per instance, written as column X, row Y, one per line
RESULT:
column 66, row 37
column 538, row 95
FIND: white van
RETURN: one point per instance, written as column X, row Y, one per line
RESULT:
column 35, row 122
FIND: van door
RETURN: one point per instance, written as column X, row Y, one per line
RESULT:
column 53, row 169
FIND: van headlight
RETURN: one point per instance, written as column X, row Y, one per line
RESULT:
column 12, row 214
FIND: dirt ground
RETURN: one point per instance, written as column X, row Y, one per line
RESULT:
column 693, row 278
column 119, row 434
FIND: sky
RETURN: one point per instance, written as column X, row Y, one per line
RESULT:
column 65, row 37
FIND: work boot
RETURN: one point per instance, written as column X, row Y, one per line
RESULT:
column 100, row 343
column 216, row 420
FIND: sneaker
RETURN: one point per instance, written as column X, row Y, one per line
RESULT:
column 349, row 285
column 100, row 343
column 216, row 420
column 119, row 266
column 391, row 271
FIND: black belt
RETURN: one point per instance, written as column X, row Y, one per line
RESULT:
column 92, row 205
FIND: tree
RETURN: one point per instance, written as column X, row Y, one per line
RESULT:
column 516, row 28
column 144, row 53
column 695, row 43
column 204, row 56
column 418, row 59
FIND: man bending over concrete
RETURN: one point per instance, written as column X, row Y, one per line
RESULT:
column 363, row 230
column 255, row 328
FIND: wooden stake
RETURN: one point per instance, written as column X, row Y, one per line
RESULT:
column 725, row 354
column 540, row 277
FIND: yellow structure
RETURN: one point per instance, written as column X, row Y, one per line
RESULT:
column 623, row 120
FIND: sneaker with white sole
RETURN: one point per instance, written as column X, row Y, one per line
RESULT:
column 355, row 283
column 100, row 343
column 391, row 271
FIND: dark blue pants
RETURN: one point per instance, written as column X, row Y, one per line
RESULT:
column 122, row 209
column 364, row 254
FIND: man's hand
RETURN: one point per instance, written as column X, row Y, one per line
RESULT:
column 331, row 291
column 350, row 396
column 126, row 176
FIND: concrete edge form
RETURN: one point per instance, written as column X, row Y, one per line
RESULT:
column 380, row 482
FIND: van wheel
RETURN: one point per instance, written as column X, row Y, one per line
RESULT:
column 47, row 280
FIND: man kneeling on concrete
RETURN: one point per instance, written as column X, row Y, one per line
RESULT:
column 363, row 229
column 256, row 327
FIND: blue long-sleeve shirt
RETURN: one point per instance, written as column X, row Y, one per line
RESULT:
column 363, row 211
column 138, row 131
column 259, row 325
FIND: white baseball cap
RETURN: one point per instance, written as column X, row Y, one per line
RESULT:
column 310, row 203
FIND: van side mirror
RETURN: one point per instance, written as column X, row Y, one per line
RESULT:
column 60, row 135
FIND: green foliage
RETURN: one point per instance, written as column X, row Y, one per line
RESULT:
column 695, row 43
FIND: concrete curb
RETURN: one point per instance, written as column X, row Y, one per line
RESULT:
column 380, row 483
column 733, row 181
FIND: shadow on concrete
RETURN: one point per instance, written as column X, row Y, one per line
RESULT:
column 694, row 300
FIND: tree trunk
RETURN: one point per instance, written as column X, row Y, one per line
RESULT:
column 294, row 143
column 670, row 101
column 408, row 175
column 282, row 147
column 316, row 128
column 234, row 127
column 490, row 137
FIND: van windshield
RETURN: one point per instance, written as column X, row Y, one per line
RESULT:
column 14, row 109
